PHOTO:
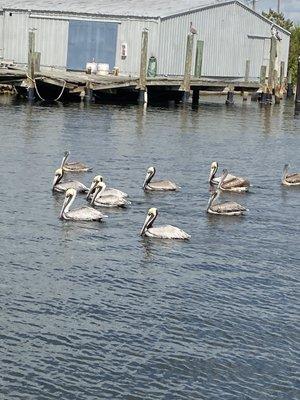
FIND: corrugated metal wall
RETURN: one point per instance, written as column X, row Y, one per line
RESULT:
column 16, row 36
column 224, row 30
column 51, row 40
column 1, row 35
column 130, row 32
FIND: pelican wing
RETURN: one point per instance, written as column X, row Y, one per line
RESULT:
column 63, row 187
column 235, row 182
column 84, row 214
column 111, row 201
column 76, row 167
column 167, row 232
column 162, row 185
column 114, row 192
column 228, row 207
column 293, row 178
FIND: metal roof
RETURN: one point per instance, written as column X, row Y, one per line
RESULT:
column 140, row 8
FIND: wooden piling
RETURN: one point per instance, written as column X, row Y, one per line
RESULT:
column 281, row 78
column 143, row 68
column 89, row 95
column 185, row 86
column 273, row 54
column 196, row 95
column 31, row 66
column 245, row 96
column 230, row 94
column 247, row 71
column 298, row 83
column 289, row 90
column 263, row 74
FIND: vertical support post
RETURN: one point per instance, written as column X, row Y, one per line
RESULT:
column 298, row 83
column 196, row 97
column 281, row 78
column 31, row 65
column 143, row 68
column 185, row 86
column 230, row 94
column 289, row 90
column 247, row 71
column 89, row 95
column 199, row 58
column 263, row 74
column 273, row 54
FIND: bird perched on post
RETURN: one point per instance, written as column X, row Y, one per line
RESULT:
column 193, row 30
column 274, row 32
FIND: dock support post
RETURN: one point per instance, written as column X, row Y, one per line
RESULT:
column 262, row 81
column 289, row 90
column 185, row 86
column 247, row 71
column 31, row 66
column 143, row 98
column 245, row 96
column 276, row 87
column 273, row 53
column 281, row 78
column 89, row 95
column 196, row 97
column 298, row 83
column 230, row 94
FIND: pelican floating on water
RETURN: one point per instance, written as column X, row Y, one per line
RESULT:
column 161, row 232
column 290, row 179
column 107, row 192
column 157, row 185
column 59, row 186
column 74, row 166
column 107, row 200
column 231, row 183
column 227, row 208
column 78, row 214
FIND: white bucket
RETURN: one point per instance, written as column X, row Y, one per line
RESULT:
column 92, row 66
column 103, row 69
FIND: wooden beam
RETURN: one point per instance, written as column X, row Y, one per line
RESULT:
column 185, row 86
column 247, row 71
column 143, row 63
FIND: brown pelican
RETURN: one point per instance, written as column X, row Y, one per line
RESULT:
column 102, row 199
column 290, row 179
column 62, row 187
column 161, row 232
column 158, row 185
column 231, row 183
column 79, row 214
column 108, row 191
column 227, row 208
column 73, row 166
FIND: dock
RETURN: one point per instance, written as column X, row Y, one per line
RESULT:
column 76, row 86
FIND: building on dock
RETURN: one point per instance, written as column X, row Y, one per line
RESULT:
column 232, row 40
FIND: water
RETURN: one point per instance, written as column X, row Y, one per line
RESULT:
column 94, row 311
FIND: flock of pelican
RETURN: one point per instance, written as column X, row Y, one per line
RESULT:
column 99, row 195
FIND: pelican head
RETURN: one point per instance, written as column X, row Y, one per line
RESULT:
column 64, row 160
column 213, row 197
column 96, row 180
column 285, row 170
column 99, row 188
column 69, row 196
column 57, row 177
column 150, row 218
column 213, row 170
column 149, row 175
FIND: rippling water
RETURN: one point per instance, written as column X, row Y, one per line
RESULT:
column 94, row 311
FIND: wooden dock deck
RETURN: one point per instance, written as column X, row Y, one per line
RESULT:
column 51, row 84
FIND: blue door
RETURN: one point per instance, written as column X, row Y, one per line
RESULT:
column 90, row 40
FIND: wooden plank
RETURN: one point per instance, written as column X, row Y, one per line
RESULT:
column 247, row 71
column 273, row 54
